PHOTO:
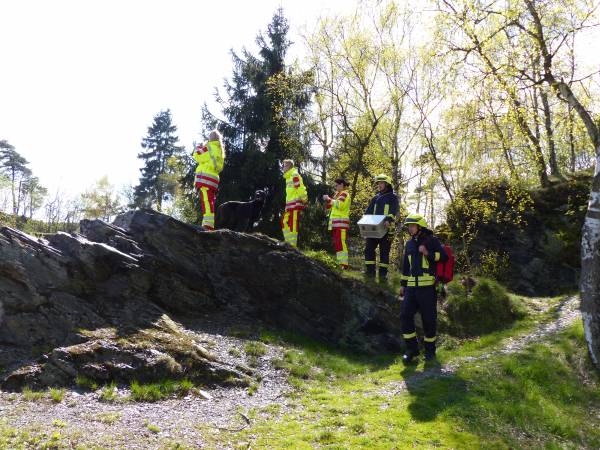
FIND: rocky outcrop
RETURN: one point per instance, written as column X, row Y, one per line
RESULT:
column 108, row 303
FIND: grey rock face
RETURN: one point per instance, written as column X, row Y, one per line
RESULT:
column 100, row 303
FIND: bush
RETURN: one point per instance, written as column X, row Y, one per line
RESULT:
column 487, row 308
column 529, row 238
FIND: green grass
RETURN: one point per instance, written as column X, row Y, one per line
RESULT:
column 153, row 428
column 59, row 423
column 153, row 392
column 32, row 396
column 452, row 348
column 546, row 396
column 234, row 352
column 109, row 392
column 22, row 438
column 57, row 395
column 357, row 264
column 255, row 348
column 86, row 383
column 108, row 418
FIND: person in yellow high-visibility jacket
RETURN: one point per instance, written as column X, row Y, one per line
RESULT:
column 296, row 200
column 210, row 158
column 339, row 220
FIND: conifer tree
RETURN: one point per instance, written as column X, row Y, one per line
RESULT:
column 158, row 182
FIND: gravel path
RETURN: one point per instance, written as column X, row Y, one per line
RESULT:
column 83, row 419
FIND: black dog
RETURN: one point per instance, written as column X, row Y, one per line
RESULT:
column 241, row 216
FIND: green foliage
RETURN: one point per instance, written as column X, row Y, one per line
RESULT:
column 493, row 264
column 524, row 238
column 489, row 207
column 101, row 201
column 153, row 428
column 314, row 222
column 265, row 108
column 561, row 208
column 486, row 308
column 26, row 192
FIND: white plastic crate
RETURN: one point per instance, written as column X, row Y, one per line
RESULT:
column 372, row 226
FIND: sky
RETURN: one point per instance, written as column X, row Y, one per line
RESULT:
column 81, row 80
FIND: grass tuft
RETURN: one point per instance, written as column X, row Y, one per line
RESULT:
column 153, row 392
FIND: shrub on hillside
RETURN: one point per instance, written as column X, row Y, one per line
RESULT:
column 518, row 235
column 486, row 308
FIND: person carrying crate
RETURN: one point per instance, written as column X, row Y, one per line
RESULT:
column 385, row 203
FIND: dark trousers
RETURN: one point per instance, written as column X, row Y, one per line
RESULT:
column 423, row 300
column 385, row 244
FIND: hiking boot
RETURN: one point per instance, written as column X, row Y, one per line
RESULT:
column 429, row 355
column 409, row 356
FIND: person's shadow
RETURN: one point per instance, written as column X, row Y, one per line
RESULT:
column 432, row 390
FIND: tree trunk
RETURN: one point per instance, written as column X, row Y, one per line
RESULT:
column 571, row 139
column 505, row 148
column 590, row 268
column 12, row 189
column 554, row 170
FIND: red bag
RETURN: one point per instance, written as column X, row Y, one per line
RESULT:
column 445, row 270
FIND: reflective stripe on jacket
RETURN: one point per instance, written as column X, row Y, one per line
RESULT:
column 419, row 270
column 295, row 192
column 210, row 159
column 384, row 204
column 339, row 217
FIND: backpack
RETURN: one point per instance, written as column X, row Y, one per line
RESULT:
column 445, row 270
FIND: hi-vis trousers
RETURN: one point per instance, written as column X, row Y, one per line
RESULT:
column 289, row 226
column 340, row 244
column 207, row 201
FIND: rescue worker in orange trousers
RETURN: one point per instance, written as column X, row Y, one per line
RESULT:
column 210, row 158
column 339, row 220
column 296, row 199
column 421, row 254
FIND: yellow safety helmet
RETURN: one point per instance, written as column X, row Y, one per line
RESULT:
column 417, row 219
column 383, row 177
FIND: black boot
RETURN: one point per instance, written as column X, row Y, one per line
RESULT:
column 370, row 271
column 412, row 350
column 429, row 351
column 409, row 356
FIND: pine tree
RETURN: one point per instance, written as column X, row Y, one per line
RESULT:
column 158, row 182
column 265, row 108
column 14, row 166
